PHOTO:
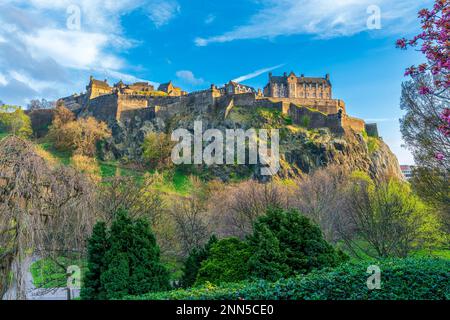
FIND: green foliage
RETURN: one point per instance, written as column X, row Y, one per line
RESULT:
column 373, row 144
column 97, row 247
column 128, row 262
column 157, row 148
column 394, row 221
column 285, row 243
column 266, row 118
column 365, row 135
column 305, row 121
column 401, row 279
column 227, row 262
column 193, row 263
column 52, row 273
column 13, row 120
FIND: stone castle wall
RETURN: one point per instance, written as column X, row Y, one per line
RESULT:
column 356, row 124
column 313, row 119
column 314, row 113
column 328, row 106
column 128, row 103
column 103, row 108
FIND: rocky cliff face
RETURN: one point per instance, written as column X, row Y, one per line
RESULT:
column 301, row 150
column 309, row 150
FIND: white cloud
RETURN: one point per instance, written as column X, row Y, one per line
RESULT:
column 36, row 85
column 256, row 73
column 41, row 57
column 73, row 49
column 320, row 18
column 210, row 19
column 161, row 12
column 188, row 77
column 3, row 81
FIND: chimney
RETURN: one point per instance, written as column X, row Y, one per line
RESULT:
column 270, row 75
column 327, row 76
column 302, row 75
column 285, row 74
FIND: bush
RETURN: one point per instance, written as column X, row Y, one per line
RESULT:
column 285, row 243
column 401, row 279
column 227, row 262
column 193, row 263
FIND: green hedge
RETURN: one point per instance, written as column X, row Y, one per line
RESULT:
column 401, row 279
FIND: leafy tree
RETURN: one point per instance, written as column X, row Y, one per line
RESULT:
column 62, row 116
column 79, row 136
column 285, row 243
column 97, row 247
column 431, row 184
column 227, row 262
column 390, row 220
column 418, row 125
column 193, row 263
column 157, row 148
column 14, row 121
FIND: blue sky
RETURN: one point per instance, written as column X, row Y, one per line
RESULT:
column 45, row 53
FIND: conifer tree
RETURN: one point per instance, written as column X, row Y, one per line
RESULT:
column 97, row 247
column 287, row 243
column 129, row 262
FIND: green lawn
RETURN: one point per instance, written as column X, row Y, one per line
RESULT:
column 62, row 156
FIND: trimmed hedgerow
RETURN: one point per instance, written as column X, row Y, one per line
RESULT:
column 401, row 279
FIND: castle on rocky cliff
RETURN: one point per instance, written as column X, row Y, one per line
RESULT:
column 307, row 100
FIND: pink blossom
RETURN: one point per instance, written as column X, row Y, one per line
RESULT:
column 401, row 43
column 424, row 90
column 439, row 156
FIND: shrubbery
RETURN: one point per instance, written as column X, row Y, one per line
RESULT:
column 193, row 263
column 227, row 262
column 401, row 279
column 285, row 243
